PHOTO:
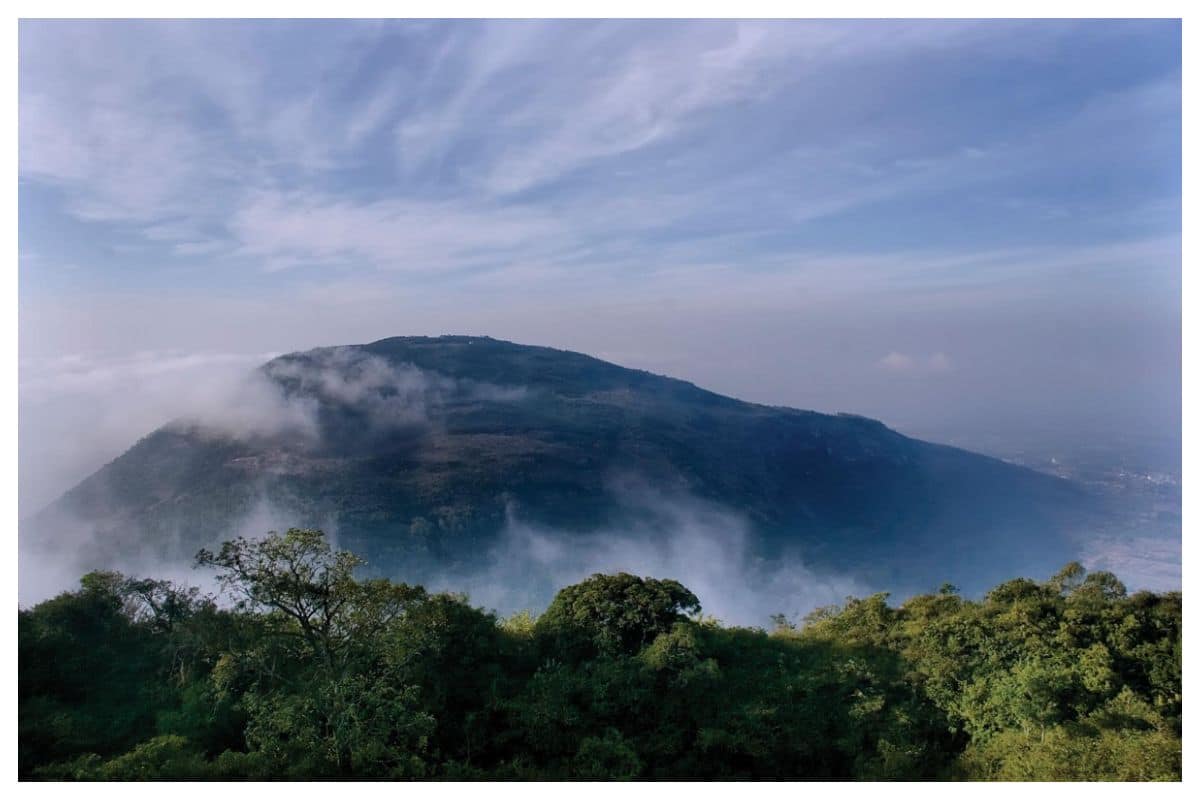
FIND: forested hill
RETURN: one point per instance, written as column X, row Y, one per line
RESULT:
column 420, row 451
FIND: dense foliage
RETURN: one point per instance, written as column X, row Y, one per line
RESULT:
column 309, row 671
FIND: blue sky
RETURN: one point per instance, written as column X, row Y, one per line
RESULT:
column 920, row 220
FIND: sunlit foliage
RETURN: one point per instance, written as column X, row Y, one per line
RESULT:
column 301, row 669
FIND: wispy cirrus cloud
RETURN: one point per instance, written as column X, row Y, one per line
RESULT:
column 216, row 140
column 300, row 228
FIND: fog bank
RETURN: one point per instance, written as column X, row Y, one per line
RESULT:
column 708, row 549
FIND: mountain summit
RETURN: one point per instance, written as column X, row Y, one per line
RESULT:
column 419, row 453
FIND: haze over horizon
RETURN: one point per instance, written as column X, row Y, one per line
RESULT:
column 964, row 229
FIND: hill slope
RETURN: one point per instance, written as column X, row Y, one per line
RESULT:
column 419, row 452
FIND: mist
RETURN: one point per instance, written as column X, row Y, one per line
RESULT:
column 707, row 548
column 46, row 569
column 77, row 413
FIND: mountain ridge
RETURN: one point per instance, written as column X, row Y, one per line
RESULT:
column 419, row 451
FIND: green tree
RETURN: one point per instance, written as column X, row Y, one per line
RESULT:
column 309, row 590
column 613, row 614
column 318, row 693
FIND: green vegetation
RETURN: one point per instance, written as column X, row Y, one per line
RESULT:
column 313, row 672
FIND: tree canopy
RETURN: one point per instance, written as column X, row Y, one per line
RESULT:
column 613, row 614
column 304, row 669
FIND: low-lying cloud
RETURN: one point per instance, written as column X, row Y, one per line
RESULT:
column 46, row 568
column 387, row 395
column 1153, row 563
column 709, row 549
column 79, row 412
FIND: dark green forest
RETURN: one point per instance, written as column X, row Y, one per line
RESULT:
column 301, row 669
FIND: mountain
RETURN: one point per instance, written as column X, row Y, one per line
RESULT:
column 420, row 453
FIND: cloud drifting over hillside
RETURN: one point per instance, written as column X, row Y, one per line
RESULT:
column 222, row 394
column 77, row 412
column 709, row 549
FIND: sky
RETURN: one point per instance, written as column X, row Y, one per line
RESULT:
column 965, row 229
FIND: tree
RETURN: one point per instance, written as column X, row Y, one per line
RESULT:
column 87, row 674
column 1068, row 578
column 318, row 681
column 162, row 604
column 323, row 675
column 614, row 614
column 311, row 592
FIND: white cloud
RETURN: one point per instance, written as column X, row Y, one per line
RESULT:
column 115, row 162
column 252, row 140
column 709, row 549
column 555, row 98
column 284, row 230
column 898, row 362
column 45, row 379
column 920, row 365
column 77, row 412
column 141, row 122
column 938, row 362
column 641, row 97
